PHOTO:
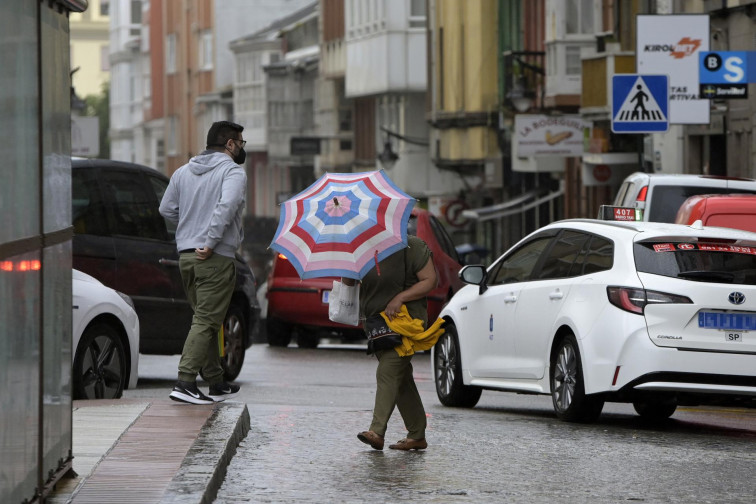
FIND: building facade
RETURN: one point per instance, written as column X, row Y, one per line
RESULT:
column 90, row 53
column 386, row 77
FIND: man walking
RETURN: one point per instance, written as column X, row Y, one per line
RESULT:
column 205, row 197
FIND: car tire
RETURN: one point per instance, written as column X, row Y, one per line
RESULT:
column 307, row 339
column 234, row 332
column 447, row 372
column 99, row 367
column 655, row 410
column 279, row 332
column 568, row 395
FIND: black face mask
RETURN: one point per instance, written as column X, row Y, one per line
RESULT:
column 240, row 157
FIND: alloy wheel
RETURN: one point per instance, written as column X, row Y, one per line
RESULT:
column 565, row 377
column 446, row 360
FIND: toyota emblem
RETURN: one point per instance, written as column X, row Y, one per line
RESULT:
column 736, row 298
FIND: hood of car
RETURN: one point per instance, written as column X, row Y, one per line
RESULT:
column 83, row 277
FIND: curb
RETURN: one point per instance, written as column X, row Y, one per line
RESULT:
column 204, row 467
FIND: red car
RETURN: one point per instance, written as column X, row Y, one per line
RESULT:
column 736, row 211
column 301, row 306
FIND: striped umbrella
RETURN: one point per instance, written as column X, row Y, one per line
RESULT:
column 343, row 224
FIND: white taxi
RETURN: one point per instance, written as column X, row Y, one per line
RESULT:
column 590, row 311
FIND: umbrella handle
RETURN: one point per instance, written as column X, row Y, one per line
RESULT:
column 377, row 268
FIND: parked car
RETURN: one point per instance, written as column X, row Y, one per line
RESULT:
column 105, row 340
column 590, row 311
column 661, row 195
column 737, row 211
column 122, row 240
column 301, row 306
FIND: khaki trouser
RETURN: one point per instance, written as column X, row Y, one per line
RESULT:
column 209, row 285
column 396, row 387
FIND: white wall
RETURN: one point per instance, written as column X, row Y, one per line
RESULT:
column 383, row 54
column 238, row 18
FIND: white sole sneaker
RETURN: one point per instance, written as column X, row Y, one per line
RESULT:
column 179, row 396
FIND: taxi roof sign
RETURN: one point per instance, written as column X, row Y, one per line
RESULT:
column 616, row 213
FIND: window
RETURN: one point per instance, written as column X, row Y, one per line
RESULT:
column 667, row 200
column 135, row 209
column 518, row 266
column 136, row 11
column 172, row 141
column 170, row 53
column 104, row 7
column 599, row 257
column 136, row 18
column 573, row 65
column 159, row 186
column 561, row 257
column 579, row 16
column 159, row 155
column 105, row 58
column 89, row 216
column 418, row 14
column 721, row 264
column 206, row 50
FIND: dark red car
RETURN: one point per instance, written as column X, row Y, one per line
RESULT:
column 300, row 307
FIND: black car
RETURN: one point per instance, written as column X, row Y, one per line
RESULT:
column 122, row 240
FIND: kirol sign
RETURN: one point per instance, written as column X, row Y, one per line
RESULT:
column 671, row 45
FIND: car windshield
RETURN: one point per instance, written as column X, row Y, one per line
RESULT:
column 698, row 261
column 667, row 200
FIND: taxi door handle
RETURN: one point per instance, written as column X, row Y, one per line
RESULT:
column 557, row 294
column 510, row 299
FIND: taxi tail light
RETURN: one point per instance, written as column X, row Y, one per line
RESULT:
column 634, row 300
column 642, row 194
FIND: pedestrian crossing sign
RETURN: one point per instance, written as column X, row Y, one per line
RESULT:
column 640, row 103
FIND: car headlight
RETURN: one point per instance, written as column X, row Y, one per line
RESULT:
column 127, row 299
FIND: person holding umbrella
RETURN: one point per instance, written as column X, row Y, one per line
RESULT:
column 206, row 198
column 403, row 278
column 354, row 226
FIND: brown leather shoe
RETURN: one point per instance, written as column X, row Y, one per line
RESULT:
column 409, row 444
column 371, row 438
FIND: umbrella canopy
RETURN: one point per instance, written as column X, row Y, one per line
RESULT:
column 343, row 224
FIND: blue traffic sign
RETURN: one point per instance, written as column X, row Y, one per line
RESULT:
column 640, row 103
column 723, row 74
column 724, row 67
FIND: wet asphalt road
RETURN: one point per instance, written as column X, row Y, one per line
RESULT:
column 307, row 406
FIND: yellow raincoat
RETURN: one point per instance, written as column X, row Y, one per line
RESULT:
column 414, row 337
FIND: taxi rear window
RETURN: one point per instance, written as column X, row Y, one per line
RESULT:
column 667, row 200
column 698, row 261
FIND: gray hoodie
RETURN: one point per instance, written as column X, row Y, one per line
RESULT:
column 206, row 198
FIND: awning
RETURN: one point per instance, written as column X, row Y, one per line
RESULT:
column 514, row 206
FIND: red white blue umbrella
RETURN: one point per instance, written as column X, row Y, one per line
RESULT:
column 343, row 224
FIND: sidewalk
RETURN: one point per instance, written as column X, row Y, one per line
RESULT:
column 150, row 451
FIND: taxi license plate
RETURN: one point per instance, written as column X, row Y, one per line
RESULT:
column 326, row 293
column 734, row 337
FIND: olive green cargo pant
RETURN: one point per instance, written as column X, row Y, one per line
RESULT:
column 209, row 285
column 396, row 387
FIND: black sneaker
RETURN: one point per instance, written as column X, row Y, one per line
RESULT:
column 222, row 391
column 189, row 393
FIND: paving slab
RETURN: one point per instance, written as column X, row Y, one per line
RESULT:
column 149, row 451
